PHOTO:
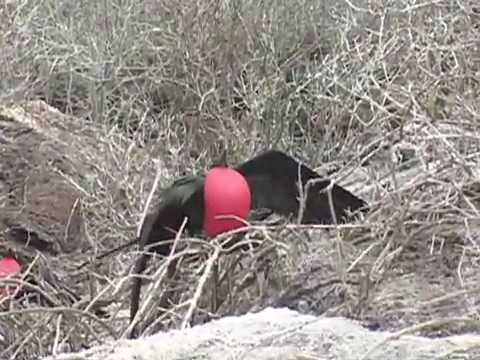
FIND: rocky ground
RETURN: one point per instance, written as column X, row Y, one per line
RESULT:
column 273, row 334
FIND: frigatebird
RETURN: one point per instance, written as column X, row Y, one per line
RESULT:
column 269, row 180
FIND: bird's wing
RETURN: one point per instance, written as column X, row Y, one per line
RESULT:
column 184, row 198
column 274, row 176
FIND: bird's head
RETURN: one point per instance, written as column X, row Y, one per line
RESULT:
column 227, row 200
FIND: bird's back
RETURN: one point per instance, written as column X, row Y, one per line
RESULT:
column 274, row 178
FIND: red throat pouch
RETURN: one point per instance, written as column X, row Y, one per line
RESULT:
column 9, row 268
column 227, row 201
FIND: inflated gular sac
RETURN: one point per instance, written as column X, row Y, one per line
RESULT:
column 227, row 201
column 9, row 268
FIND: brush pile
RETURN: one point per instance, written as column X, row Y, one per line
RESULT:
column 97, row 98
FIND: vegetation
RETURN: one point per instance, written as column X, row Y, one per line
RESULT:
column 383, row 95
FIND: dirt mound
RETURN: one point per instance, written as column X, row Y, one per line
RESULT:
column 49, row 171
column 41, row 198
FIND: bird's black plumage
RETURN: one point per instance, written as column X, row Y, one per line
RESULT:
column 273, row 178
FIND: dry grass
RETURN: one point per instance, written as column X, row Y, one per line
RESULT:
column 383, row 95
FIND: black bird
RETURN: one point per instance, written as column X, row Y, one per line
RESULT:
column 267, row 181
